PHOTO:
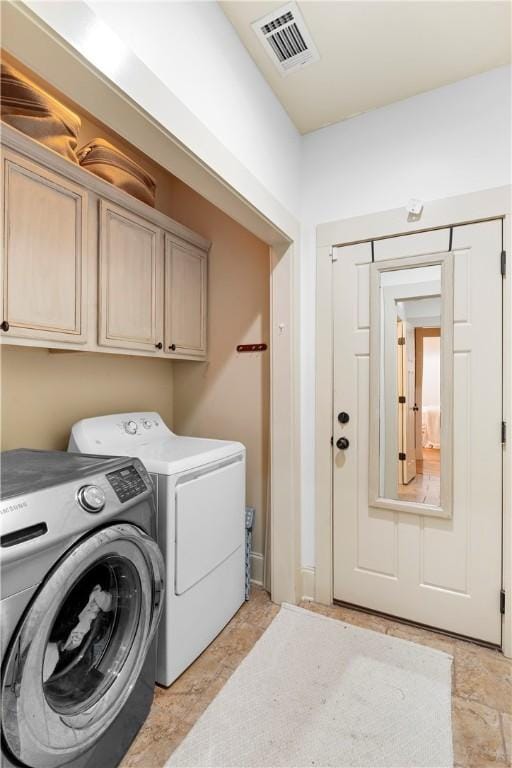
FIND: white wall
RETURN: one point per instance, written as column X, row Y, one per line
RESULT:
column 446, row 142
column 194, row 49
column 431, row 389
column 194, row 52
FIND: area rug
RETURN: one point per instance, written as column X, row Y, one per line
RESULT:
column 315, row 691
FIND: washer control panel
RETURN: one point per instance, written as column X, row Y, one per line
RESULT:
column 138, row 426
column 127, row 483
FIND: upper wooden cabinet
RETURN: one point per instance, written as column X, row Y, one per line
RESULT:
column 44, row 269
column 130, row 280
column 66, row 229
column 185, row 299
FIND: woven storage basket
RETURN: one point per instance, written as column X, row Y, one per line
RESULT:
column 108, row 162
column 31, row 110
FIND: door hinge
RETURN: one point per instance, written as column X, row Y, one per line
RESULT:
column 333, row 257
column 503, row 263
column 402, row 457
column 503, row 432
column 502, row 601
column 401, row 341
column 332, row 440
column 401, row 399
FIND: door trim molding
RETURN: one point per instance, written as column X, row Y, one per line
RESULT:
column 453, row 211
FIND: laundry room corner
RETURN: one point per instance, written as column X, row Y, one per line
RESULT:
column 229, row 395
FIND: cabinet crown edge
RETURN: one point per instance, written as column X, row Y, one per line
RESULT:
column 17, row 141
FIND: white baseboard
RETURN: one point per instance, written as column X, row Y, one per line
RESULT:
column 257, row 568
column 307, row 576
column 307, row 583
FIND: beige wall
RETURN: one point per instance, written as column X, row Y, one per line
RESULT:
column 44, row 393
column 228, row 397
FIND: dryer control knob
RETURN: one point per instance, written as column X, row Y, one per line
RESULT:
column 91, row 498
column 147, row 424
column 130, row 427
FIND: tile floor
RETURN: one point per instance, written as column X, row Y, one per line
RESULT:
column 426, row 486
column 482, row 687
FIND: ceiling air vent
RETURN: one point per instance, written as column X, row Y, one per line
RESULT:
column 286, row 39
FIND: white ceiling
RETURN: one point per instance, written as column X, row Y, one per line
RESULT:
column 375, row 53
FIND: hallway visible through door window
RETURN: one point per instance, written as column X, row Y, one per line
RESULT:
column 419, row 376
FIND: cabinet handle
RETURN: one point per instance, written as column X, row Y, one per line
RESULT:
column 4, row 326
column 159, row 345
column 172, row 347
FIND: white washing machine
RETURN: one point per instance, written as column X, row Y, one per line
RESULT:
column 200, row 491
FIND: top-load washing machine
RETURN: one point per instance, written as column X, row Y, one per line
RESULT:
column 82, row 592
column 200, row 489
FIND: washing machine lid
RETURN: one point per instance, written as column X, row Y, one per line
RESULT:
column 25, row 470
column 146, row 436
column 180, row 454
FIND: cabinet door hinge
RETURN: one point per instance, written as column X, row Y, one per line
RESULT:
column 401, row 399
column 503, row 263
column 401, row 341
column 503, row 432
column 402, row 457
column 502, row 601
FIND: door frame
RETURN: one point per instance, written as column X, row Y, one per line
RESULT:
column 437, row 214
column 199, row 159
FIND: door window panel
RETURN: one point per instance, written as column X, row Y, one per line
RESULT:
column 92, row 635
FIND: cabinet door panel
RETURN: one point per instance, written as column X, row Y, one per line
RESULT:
column 44, row 254
column 185, row 299
column 130, row 280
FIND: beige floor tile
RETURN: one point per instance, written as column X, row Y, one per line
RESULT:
column 259, row 614
column 237, row 643
column 483, row 764
column 506, row 727
column 197, row 677
column 155, row 755
column 158, row 737
column 477, row 737
column 484, row 676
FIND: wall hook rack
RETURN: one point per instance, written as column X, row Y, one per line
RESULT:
column 251, row 348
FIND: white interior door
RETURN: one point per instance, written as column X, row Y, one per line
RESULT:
column 445, row 573
column 407, row 358
column 410, row 422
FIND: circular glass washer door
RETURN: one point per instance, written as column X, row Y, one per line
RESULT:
column 79, row 651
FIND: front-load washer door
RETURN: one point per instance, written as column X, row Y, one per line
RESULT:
column 76, row 656
column 210, row 520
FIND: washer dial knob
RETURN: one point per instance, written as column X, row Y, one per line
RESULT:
column 130, row 427
column 91, row 498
